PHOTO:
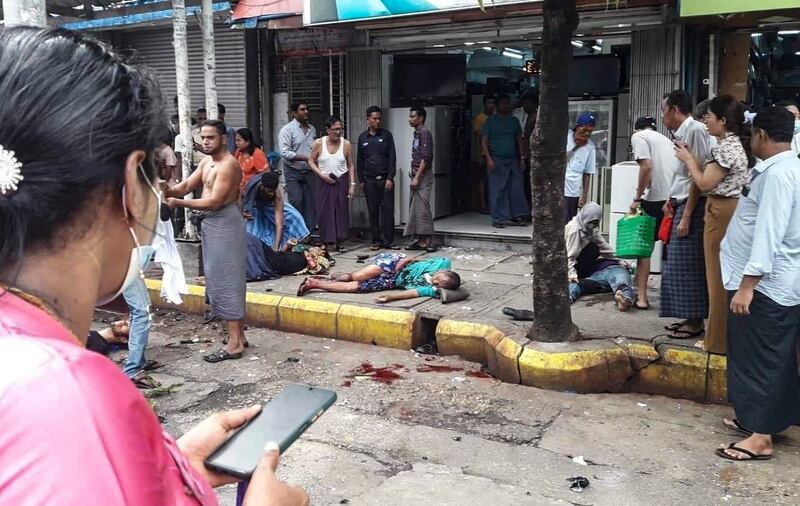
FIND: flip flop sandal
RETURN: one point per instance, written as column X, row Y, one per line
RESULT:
column 685, row 334
column 431, row 249
column 392, row 247
column 220, row 356
column 145, row 382
column 303, row 288
column 341, row 249
column 375, row 247
column 645, row 308
column 427, row 349
column 750, row 455
column 414, row 246
column 675, row 326
column 738, row 427
column 152, row 365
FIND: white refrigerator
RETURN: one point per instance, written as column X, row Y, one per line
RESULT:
column 624, row 179
column 439, row 122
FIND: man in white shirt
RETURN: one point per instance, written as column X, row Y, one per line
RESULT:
column 581, row 164
column 760, row 260
column 655, row 155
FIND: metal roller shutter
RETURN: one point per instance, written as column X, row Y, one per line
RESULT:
column 154, row 48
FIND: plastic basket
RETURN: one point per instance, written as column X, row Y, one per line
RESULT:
column 635, row 235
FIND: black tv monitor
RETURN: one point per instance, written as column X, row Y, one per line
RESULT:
column 594, row 76
column 428, row 79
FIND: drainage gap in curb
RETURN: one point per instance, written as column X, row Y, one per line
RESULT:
column 427, row 335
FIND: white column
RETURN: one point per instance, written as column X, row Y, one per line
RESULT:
column 209, row 59
column 184, row 102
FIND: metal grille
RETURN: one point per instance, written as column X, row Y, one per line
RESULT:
column 319, row 81
column 655, row 71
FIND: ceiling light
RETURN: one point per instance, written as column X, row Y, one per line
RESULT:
column 512, row 55
column 469, row 43
column 597, row 48
column 754, row 35
column 600, row 41
column 577, row 43
column 797, row 53
column 487, row 48
column 788, row 32
column 483, row 42
column 512, row 50
column 438, row 45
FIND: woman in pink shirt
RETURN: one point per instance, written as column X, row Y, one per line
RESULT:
column 77, row 215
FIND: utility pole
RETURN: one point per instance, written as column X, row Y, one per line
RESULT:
column 25, row 12
column 209, row 59
column 184, row 103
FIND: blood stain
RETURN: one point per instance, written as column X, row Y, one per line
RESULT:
column 385, row 375
column 478, row 374
column 347, row 383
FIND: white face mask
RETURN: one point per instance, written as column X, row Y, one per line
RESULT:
column 797, row 126
column 140, row 255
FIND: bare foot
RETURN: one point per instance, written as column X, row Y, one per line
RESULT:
column 623, row 303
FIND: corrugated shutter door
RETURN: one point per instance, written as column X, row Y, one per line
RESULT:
column 154, row 48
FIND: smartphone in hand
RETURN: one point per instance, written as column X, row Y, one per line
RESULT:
column 283, row 420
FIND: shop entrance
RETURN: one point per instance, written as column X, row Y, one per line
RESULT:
column 451, row 82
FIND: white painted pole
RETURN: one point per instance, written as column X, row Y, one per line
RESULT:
column 184, row 103
column 209, row 59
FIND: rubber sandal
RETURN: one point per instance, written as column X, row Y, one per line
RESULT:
column 209, row 317
column 675, row 326
column 144, row 381
column 303, row 288
column 414, row 246
column 427, row 349
column 750, row 455
column 645, row 308
column 341, row 249
column 375, row 247
column 685, row 334
column 431, row 249
column 393, row 247
column 220, row 356
column 246, row 342
column 738, row 427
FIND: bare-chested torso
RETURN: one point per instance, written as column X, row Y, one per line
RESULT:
column 210, row 169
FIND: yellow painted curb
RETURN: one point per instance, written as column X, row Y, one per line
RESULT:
column 602, row 369
column 308, row 316
column 505, row 362
column 193, row 302
column 466, row 339
column 717, row 389
column 262, row 308
column 383, row 327
column 679, row 372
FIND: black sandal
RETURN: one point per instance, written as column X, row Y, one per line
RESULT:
column 685, row 334
column 144, row 381
column 750, row 455
column 246, row 342
column 341, row 249
column 152, row 365
column 415, row 246
column 738, row 427
column 303, row 288
column 221, row 355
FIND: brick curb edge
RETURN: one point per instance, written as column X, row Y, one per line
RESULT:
column 591, row 366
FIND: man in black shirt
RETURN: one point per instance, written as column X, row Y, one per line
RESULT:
column 377, row 164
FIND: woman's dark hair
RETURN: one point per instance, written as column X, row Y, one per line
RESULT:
column 777, row 122
column 247, row 135
column 92, row 107
column 730, row 108
column 332, row 120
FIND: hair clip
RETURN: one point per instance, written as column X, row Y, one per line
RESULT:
column 10, row 173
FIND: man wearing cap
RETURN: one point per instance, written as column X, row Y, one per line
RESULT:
column 581, row 162
column 655, row 155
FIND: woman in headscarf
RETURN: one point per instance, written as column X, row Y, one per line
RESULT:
column 591, row 265
column 270, row 216
column 77, row 217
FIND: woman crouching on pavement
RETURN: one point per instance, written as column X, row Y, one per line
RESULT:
column 77, row 213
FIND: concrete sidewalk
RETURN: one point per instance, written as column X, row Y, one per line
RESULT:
column 621, row 351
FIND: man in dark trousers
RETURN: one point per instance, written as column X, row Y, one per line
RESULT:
column 376, row 165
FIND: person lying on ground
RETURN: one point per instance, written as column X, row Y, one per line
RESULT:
column 101, row 341
column 390, row 271
column 591, row 265
column 264, row 263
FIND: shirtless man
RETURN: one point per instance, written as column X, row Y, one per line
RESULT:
column 223, row 238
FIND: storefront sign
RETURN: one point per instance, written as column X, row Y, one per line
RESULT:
column 710, row 7
column 333, row 11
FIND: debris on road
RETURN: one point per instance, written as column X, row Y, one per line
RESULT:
column 578, row 483
column 579, row 460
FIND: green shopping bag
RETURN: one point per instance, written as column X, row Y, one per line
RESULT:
column 635, row 233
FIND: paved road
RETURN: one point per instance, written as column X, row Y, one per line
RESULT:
column 451, row 437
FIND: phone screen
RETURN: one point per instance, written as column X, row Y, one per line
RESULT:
column 282, row 420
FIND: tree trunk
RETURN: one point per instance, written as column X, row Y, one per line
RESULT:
column 184, row 103
column 25, row 12
column 209, row 59
column 552, row 321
